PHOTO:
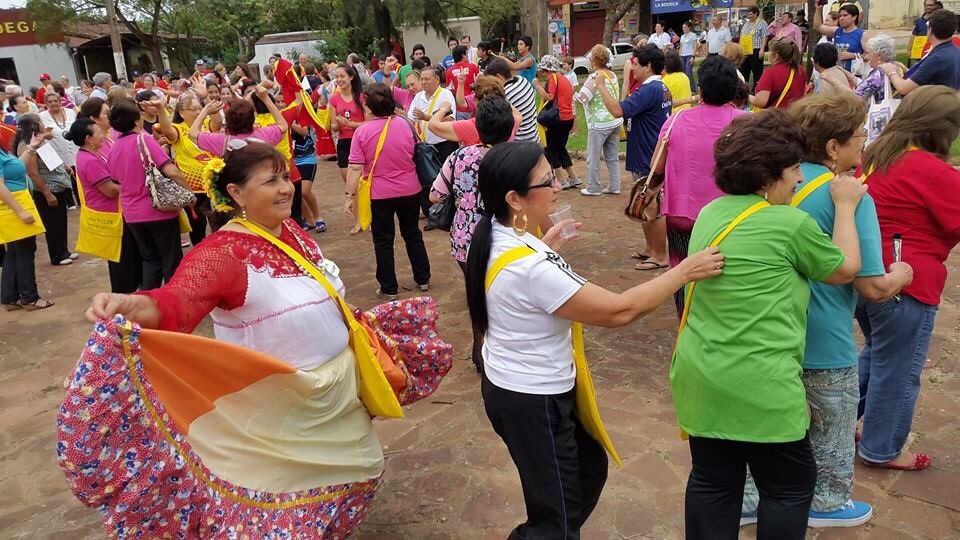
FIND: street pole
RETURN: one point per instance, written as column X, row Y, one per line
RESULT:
column 118, row 61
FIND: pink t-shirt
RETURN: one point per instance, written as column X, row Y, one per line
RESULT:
column 128, row 170
column 403, row 97
column 351, row 110
column 91, row 172
column 395, row 175
column 216, row 143
column 689, row 184
column 108, row 141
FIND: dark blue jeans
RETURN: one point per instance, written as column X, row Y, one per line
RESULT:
column 897, row 338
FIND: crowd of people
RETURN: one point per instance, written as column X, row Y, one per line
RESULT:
column 758, row 213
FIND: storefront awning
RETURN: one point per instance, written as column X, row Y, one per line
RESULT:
column 673, row 6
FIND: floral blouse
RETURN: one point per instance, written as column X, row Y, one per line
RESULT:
column 460, row 171
column 872, row 86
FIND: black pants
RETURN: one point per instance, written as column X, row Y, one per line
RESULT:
column 54, row 220
column 126, row 274
column 159, row 245
column 556, row 149
column 785, row 474
column 296, row 208
column 562, row 468
column 383, row 231
column 19, row 280
column 752, row 63
column 197, row 216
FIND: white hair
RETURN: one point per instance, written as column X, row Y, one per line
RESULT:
column 883, row 46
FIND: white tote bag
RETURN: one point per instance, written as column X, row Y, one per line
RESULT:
column 879, row 114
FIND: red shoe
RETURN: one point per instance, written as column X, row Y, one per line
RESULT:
column 920, row 462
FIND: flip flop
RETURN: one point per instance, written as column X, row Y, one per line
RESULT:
column 920, row 462
column 12, row 307
column 650, row 265
column 40, row 303
column 639, row 256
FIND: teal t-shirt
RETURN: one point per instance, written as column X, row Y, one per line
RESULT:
column 531, row 72
column 736, row 370
column 830, row 343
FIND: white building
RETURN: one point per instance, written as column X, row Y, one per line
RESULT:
column 23, row 58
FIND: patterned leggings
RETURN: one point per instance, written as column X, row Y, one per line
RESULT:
column 832, row 395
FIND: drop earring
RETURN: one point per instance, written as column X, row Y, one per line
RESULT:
column 765, row 195
column 243, row 213
column 520, row 230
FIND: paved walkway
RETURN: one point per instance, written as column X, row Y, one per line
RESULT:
column 448, row 475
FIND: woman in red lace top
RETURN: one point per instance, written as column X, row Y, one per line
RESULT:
column 259, row 298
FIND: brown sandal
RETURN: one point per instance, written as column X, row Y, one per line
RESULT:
column 12, row 307
column 40, row 303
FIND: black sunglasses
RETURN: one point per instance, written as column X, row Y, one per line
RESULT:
column 550, row 179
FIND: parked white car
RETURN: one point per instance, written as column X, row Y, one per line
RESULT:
column 618, row 57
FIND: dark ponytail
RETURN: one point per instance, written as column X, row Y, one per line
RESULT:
column 81, row 128
column 506, row 167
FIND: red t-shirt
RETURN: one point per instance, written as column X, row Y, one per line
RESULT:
column 562, row 91
column 774, row 79
column 351, row 110
column 919, row 198
column 462, row 67
column 7, row 133
column 41, row 94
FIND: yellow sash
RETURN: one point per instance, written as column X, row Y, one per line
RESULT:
column 806, row 190
column 916, row 47
column 374, row 390
column 587, row 410
column 429, row 111
column 783, row 94
column 688, row 298
column 12, row 228
column 364, row 211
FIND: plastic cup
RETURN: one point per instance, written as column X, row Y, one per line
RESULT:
column 564, row 212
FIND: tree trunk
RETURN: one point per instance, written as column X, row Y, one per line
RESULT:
column 615, row 11
column 384, row 24
column 533, row 23
column 156, row 55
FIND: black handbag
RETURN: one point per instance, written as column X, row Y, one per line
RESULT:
column 441, row 214
column 425, row 158
column 549, row 115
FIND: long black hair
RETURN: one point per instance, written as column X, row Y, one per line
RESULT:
column 505, row 168
column 356, row 85
column 28, row 125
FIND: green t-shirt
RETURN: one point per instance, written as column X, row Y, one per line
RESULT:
column 736, row 371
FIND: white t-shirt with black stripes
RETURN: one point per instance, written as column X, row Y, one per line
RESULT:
column 522, row 95
column 528, row 349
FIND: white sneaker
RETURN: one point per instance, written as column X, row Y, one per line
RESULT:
column 586, row 191
column 65, row 262
column 608, row 191
column 74, row 256
column 385, row 296
column 574, row 182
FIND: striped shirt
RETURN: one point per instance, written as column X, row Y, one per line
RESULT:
column 521, row 94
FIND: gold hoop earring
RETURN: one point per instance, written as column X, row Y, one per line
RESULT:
column 520, row 230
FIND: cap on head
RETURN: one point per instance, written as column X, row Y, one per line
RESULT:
column 549, row 63
column 45, row 77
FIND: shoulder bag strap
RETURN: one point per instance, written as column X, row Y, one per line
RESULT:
column 786, row 88
column 806, row 190
column 376, row 155
column 716, row 241
column 307, row 265
column 662, row 144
